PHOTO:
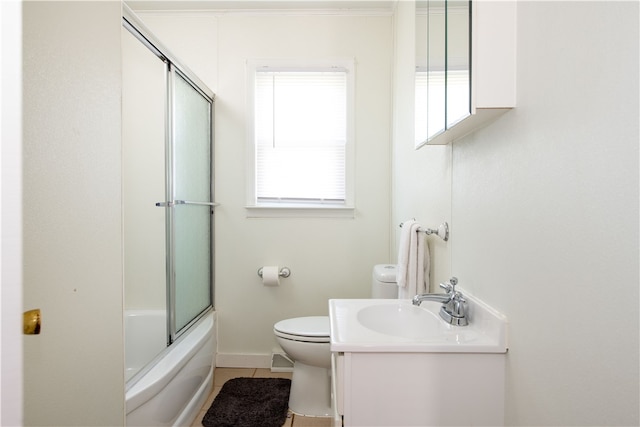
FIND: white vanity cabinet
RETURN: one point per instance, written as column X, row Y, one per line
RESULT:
column 425, row 389
column 467, row 50
column 396, row 364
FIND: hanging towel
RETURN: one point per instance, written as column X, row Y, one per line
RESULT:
column 424, row 266
column 403, row 253
column 413, row 261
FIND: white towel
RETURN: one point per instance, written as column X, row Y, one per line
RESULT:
column 403, row 253
column 413, row 261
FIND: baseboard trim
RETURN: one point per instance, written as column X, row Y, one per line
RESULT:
column 236, row 360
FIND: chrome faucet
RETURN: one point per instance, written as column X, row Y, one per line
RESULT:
column 453, row 303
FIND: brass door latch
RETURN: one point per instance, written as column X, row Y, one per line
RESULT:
column 31, row 322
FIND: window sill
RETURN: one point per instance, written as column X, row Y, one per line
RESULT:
column 297, row 211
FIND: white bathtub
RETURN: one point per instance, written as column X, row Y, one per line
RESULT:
column 173, row 390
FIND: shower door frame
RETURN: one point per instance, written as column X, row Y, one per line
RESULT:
column 173, row 66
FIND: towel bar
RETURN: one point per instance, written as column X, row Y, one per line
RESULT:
column 442, row 231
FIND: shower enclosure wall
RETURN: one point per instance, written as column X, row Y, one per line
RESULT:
column 168, row 197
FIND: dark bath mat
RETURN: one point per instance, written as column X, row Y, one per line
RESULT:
column 250, row 402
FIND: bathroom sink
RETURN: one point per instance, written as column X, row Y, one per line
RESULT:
column 395, row 325
column 401, row 320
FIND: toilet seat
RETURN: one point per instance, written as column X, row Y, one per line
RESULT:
column 305, row 329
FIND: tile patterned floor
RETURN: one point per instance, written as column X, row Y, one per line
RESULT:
column 221, row 375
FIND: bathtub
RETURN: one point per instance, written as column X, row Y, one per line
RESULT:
column 173, row 389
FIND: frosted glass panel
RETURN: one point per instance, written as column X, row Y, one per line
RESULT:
column 143, row 172
column 143, row 133
column 192, row 182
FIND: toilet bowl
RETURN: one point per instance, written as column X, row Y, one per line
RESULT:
column 306, row 341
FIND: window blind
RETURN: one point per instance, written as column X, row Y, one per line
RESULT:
column 300, row 136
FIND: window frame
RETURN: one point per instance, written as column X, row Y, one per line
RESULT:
column 300, row 209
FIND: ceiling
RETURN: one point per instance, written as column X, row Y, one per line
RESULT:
column 243, row 5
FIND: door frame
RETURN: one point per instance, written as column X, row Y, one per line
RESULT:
column 11, row 378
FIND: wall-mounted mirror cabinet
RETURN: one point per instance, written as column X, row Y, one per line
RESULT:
column 465, row 66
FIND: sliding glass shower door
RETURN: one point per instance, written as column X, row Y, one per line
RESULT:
column 167, row 195
column 192, row 208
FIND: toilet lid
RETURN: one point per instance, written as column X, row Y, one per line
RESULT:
column 310, row 329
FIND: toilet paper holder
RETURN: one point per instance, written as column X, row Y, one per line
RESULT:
column 284, row 272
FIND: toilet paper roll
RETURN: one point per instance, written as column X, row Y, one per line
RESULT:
column 271, row 275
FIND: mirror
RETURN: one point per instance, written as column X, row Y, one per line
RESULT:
column 443, row 63
column 458, row 86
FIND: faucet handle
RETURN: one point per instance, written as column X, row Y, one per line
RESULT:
column 447, row 287
column 450, row 286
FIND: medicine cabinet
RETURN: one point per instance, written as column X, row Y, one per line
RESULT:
column 465, row 67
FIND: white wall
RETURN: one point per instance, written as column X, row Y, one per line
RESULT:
column 328, row 258
column 545, row 216
column 73, row 370
column 190, row 35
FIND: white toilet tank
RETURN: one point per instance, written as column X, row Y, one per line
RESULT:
column 383, row 283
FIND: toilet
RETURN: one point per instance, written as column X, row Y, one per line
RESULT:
column 306, row 341
column 383, row 281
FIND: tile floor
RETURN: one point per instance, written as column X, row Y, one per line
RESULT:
column 221, row 375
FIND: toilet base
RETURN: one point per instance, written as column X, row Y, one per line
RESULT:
column 310, row 391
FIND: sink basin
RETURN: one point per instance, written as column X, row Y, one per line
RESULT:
column 393, row 325
column 400, row 320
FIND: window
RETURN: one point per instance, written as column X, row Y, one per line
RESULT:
column 300, row 139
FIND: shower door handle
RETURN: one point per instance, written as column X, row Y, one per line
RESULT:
column 185, row 202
